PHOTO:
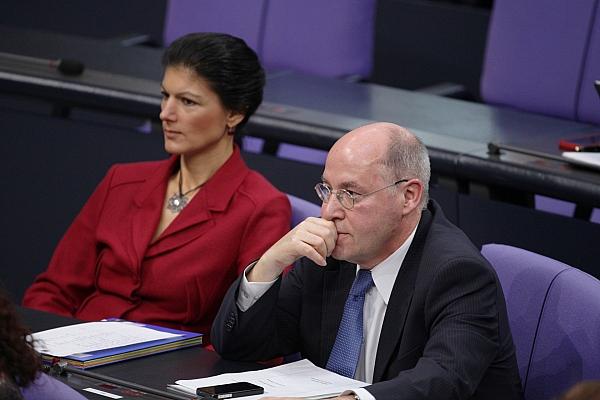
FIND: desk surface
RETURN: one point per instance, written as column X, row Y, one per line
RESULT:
column 154, row 371
column 316, row 111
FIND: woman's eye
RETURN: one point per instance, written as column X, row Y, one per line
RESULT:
column 187, row 102
column 165, row 95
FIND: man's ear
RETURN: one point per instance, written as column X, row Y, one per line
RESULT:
column 413, row 192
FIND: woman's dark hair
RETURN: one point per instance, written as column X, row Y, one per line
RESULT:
column 18, row 360
column 8, row 389
column 230, row 67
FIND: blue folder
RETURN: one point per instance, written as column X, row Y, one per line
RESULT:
column 116, row 354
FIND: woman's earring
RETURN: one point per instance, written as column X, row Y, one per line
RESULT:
column 230, row 130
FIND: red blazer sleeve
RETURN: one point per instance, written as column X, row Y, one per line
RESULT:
column 70, row 275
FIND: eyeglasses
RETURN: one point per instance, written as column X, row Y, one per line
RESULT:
column 346, row 197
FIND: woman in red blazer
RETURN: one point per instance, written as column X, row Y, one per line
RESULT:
column 160, row 242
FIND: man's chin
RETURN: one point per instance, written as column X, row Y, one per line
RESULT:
column 339, row 253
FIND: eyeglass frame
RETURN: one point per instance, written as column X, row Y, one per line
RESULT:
column 352, row 196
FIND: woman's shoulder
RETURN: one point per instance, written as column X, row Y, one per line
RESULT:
column 255, row 185
column 136, row 171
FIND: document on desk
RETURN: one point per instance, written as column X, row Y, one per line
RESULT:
column 299, row 379
column 93, row 336
column 587, row 159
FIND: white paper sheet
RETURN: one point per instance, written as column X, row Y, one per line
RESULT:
column 92, row 336
column 588, row 159
column 299, row 379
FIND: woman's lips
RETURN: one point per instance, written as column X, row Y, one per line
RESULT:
column 171, row 133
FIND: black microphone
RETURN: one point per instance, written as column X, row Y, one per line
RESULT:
column 68, row 66
column 63, row 65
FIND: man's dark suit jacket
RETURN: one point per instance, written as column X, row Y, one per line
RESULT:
column 445, row 334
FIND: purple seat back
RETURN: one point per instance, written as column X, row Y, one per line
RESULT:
column 243, row 19
column 325, row 38
column 252, row 144
column 554, row 314
column 302, row 209
column 589, row 101
column 45, row 387
column 525, row 278
column 302, row 153
column 535, row 54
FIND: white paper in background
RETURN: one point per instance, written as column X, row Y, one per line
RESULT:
column 92, row 336
column 587, row 158
column 299, row 379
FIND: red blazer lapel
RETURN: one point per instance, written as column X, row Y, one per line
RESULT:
column 193, row 221
column 149, row 202
column 196, row 218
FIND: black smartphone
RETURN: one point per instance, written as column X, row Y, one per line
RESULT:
column 230, row 390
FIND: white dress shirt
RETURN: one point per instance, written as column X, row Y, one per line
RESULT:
column 376, row 300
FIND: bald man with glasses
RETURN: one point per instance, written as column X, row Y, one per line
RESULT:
column 384, row 288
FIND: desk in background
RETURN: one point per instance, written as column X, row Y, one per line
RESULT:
column 315, row 112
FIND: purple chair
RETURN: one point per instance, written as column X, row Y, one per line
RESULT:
column 589, row 101
column 302, row 209
column 325, row 38
column 554, row 206
column 243, row 19
column 535, row 54
column 554, row 314
column 252, row 144
column 45, row 387
column 595, row 216
column 302, row 153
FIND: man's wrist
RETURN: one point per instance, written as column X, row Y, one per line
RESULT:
column 359, row 393
column 349, row 395
column 262, row 271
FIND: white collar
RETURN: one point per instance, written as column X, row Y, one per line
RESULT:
column 384, row 274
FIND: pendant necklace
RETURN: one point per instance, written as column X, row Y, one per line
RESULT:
column 178, row 201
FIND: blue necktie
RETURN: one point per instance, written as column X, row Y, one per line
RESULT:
column 346, row 350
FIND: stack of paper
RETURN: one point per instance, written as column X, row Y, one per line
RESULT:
column 299, row 379
column 98, row 343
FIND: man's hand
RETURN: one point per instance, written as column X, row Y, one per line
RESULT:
column 313, row 238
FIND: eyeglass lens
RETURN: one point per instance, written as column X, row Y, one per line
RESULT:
column 324, row 192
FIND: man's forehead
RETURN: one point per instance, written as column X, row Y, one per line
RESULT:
column 352, row 175
column 357, row 153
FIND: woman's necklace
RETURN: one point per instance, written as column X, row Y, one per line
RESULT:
column 178, row 201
